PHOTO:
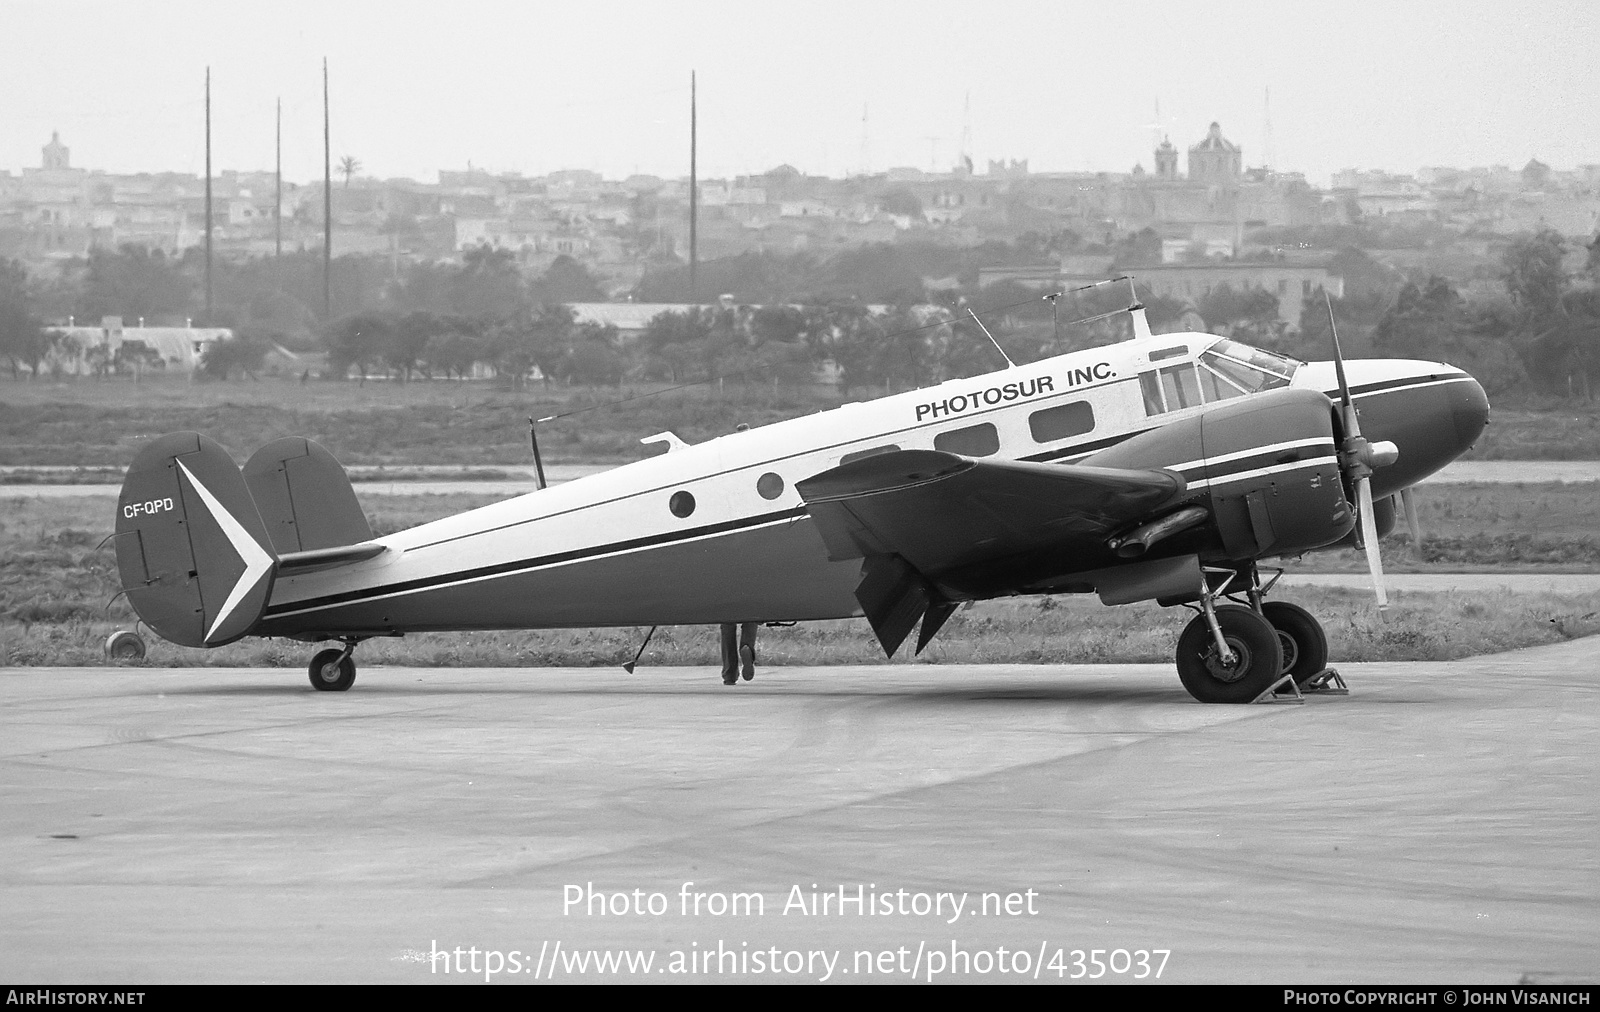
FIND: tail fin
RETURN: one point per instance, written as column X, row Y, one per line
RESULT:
column 304, row 497
column 193, row 554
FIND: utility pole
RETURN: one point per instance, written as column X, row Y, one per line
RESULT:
column 694, row 193
column 327, row 203
column 277, row 203
column 208, row 197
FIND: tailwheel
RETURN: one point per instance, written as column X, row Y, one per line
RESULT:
column 1254, row 659
column 333, row 670
column 1300, row 635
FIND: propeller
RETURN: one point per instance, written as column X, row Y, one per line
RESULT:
column 1357, row 458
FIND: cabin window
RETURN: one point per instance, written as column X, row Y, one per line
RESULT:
column 1061, row 422
column 1151, row 388
column 1183, row 386
column 972, row 441
column 863, row 454
column 1180, row 386
column 1248, row 369
column 769, row 486
column 1218, row 387
column 681, row 504
column 1166, row 353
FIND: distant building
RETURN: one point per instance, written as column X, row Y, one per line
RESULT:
column 56, row 154
column 1216, row 161
column 82, row 351
column 630, row 318
column 1167, row 161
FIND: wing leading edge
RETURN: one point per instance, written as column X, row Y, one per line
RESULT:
column 933, row 525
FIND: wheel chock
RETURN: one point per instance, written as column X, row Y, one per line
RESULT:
column 1282, row 691
column 1326, row 682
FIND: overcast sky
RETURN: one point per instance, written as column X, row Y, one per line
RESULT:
column 533, row 87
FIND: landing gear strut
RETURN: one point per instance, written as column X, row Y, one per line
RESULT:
column 334, row 670
column 738, row 652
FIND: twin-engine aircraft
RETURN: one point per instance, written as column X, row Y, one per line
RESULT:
column 1161, row 468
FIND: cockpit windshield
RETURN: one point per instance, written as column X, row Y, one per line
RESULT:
column 1246, row 368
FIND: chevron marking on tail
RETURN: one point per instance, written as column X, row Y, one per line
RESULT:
column 257, row 563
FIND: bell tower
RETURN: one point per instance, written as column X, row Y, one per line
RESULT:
column 56, row 154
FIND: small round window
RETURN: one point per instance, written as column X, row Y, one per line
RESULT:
column 681, row 504
column 769, row 485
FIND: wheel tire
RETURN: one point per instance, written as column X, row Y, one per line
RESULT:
column 124, row 645
column 1305, row 645
column 1254, row 641
column 329, row 674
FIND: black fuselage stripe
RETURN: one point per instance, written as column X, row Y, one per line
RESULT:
column 1405, row 381
column 519, row 565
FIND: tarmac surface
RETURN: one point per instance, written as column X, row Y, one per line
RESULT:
column 1439, row 824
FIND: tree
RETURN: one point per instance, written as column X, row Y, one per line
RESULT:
column 244, row 352
column 1250, row 314
column 135, row 282
column 454, row 351
column 486, row 285
column 674, row 340
column 22, row 339
column 1534, row 276
column 1550, row 327
column 358, row 340
column 509, row 348
column 594, row 358
column 405, row 341
column 1433, row 323
column 349, row 165
column 566, row 280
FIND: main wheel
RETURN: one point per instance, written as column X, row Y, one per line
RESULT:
column 1257, row 661
column 1304, row 644
column 330, row 674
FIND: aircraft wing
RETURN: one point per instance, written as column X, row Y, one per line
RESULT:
column 926, row 520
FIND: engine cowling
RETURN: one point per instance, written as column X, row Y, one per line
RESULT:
column 1265, row 466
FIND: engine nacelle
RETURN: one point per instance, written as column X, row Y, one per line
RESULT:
column 1265, row 466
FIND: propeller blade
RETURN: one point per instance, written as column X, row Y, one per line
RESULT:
column 1352, row 426
column 1369, row 539
column 1408, row 499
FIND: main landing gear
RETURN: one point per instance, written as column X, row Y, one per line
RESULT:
column 334, row 670
column 1252, row 650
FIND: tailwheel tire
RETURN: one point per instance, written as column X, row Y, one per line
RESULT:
column 125, row 645
column 1257, row 663
column 330, row 674
column 1300, row 635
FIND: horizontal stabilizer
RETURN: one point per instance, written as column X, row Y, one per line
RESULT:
column 296, row 563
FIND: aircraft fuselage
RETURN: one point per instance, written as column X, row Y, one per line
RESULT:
column 716, row 532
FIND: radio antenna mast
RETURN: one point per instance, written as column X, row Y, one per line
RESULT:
column 1009, row 364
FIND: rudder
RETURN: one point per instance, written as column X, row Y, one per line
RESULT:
column 192, row 552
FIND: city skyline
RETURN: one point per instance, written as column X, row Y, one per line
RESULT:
column 606, row 88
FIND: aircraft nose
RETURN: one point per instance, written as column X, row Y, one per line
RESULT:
column 1469, row 409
